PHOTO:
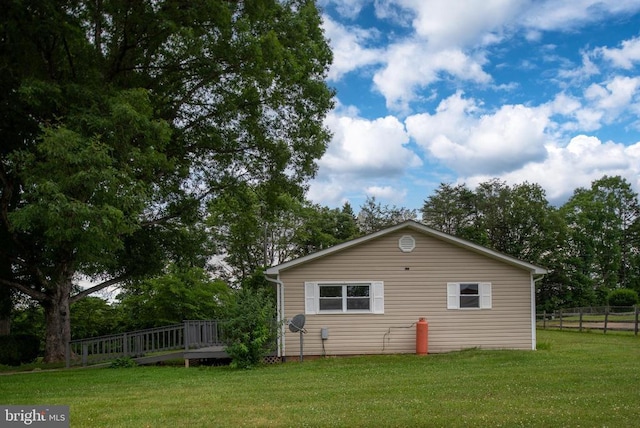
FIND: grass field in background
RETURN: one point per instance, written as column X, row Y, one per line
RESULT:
column 574, row 379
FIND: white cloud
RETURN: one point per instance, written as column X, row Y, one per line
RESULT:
column 624, row 57
column 580, row 74
column 389, row 193
column 444, row 44
column 472, row 143
column 451, row 24
column 602, row 104
column 362, row 157
column 583, row 160
column 614, row 96
column 411, row 65
column 349, row 48
column 346, row 8
column 566, row 15
column 369, row 147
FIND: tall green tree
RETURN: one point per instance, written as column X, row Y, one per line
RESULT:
column 602, row 250
column 516, row 220
column 374, row 216
column 250, row 236
column 183, row 293
column 452, row 209
column 123, row 118
column 324, row 227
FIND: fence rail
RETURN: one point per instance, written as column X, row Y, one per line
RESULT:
column 606, row 318
column 191, row 334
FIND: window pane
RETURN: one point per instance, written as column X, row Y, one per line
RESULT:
column 331, row 291
column 358, row 303
column 469, row 301
column 357, row 291
column 469, row 289
column 331, row 304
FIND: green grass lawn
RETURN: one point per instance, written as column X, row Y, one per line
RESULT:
column 574, row 379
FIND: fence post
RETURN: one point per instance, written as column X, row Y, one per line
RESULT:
column 560, row 312
column 125, row 345
column 606, row 318
column 544, row 319
column 637, row 310
column 581, row 319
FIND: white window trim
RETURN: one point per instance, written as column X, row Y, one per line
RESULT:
column 312, row 297
column 453, row 295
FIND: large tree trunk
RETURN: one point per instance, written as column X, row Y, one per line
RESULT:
column 6, row 305
column 58, row 322
column 6, row 296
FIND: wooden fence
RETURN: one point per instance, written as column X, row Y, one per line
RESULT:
column 191, row 334
column 605, row 318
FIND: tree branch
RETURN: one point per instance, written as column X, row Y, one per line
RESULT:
column 35, row 294
column 96, row 288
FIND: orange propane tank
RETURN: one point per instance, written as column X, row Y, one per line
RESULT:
column 422, row 337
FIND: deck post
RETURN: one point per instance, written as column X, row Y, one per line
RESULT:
column 85, row 354
column 186, row 335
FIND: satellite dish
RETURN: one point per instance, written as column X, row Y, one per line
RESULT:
column 297, row 324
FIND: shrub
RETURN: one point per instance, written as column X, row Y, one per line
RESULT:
column 622, row 297
column 250, row 332
column 18, row 349
column 123, row 363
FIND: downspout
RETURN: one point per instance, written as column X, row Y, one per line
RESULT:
column 280, row 311
column 534, row 340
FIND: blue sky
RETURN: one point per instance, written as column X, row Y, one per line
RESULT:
column 462, row 91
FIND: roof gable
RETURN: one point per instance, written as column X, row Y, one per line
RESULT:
column 418, row 227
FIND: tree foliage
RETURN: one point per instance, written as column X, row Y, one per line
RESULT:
column 251, row 236
column 250, row 332
column 602, row 249
column 374, row 216
column 94, row 316
column 183, row 293
column 119, row 119
column 590, row 245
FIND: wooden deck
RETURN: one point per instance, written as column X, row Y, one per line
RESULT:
column 210, row 352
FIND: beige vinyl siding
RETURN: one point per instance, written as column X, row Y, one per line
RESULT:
column 415, row 285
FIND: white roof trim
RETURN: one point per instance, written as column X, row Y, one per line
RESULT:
column 275, row 270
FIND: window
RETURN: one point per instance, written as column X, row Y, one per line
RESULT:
column 469, row 295
column 344, row 297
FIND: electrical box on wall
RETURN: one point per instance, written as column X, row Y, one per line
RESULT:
column 324, row 333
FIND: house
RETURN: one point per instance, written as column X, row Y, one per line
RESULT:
column 366, row 295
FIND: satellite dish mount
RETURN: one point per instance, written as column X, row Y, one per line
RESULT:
column 296, row 325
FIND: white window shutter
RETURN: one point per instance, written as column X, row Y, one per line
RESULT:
column 453, row 295
column 310, row 300
column 485, row 295
column 378, row 297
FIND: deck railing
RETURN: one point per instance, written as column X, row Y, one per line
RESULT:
column 191, row 334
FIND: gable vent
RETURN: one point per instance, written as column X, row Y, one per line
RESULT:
column 407, row 243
